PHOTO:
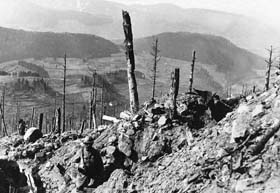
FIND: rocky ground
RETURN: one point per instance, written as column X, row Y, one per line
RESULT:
column 149, row 152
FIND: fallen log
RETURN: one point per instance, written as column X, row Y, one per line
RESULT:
column 111, row 119
column 257, row 148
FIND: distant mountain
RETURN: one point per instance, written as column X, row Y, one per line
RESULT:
column 26, row 15
column 18, row 44
column 153, row 19
column 212, row 50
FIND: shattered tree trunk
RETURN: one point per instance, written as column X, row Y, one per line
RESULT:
column 32, row 118
column 40, row 121
column 254, row 89
column 82, row 127
column 90, row 109
column 94, row 109
column 4, row 123
column 94, row 91
column 269, row 63
column 58, row 121
column 17, row 116
column 132, row 85
column 102, row 103
column 174, row 91
column 192, row 70
column 154, row 53
column 3, row 113
column 46, row 123
column 64, row 93
column 92, row 121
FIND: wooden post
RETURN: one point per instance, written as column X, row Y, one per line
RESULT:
column 132, row 85
column 269, row 63
column 64, row 85
column 40, row 121
column 32, row 117
column 58, row 121
column 175, row 90
column 192, row 70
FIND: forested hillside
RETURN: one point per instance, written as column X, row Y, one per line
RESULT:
column 18, row 44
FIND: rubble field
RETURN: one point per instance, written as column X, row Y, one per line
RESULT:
column 150, row 152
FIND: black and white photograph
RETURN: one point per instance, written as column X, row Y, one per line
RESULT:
column 139, row 96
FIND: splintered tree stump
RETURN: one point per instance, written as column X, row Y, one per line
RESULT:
column 192, row 70
column 174, row 91
column 82, row 127
column 269, row 63
column 40, row 121
column 128, row 42
column 58, row 121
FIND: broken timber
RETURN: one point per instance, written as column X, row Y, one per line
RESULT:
column 132, row 85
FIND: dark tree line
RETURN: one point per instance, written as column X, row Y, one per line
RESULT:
column 35, row 85
column 29, row 73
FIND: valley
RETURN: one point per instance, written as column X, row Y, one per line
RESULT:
column 174, row 99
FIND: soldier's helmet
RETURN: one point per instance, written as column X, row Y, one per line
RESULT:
column 88, row 140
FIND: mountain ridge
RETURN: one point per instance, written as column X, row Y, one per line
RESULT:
column 212, row 50
column 20, row 44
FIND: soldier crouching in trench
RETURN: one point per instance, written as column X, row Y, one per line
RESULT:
column 90, row 166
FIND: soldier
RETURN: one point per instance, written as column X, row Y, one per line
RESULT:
column 90, row 166
column 21, row 127
column 218, row 108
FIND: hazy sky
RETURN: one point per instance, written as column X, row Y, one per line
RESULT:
column 265, row 10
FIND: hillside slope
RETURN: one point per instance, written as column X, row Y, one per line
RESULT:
column 213, row 50
column 18, row 44
column 238, row 154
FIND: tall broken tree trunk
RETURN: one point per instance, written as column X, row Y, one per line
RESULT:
column 94, row 109
column 58, row 121
column 132, row 85
column 156, row 58
column 64, row 94
column 174, row 91
column 269, row 63
column 32, row 117
column 192, row 70
column 40, row 121
column 93, row 102
column 102, row 102
column 3, row 113
column 94, row 91
column 90, row 109
column 3, row 120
